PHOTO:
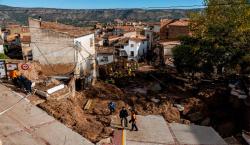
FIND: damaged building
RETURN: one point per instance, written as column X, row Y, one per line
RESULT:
column 58, row 44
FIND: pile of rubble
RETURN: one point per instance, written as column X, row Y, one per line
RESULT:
column 87, row 112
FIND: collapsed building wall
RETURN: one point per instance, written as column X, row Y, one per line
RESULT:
column 48, row 47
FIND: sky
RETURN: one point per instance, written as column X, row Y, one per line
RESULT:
column 99, row 4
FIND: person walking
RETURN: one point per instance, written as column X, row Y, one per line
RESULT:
column 123, row 116
column 111, row 107
column 133, row 121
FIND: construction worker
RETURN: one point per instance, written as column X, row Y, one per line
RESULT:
column 123, row 116
column 14, row 74
column 111, row 107
column 133, row 121
column 129, row 72
column 25, row 83
column 20, row 80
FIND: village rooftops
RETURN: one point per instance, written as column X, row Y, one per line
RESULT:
column 105, row 50
column 138, row 39
column 181, row 22
column 153, row 23
column 66, row 29
column 126, row 28
column 122, row 42
column 165, row 22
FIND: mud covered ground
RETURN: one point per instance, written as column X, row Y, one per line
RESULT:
column 208, row 104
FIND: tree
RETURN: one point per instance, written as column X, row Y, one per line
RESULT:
column 221, row 33
column 3, row 56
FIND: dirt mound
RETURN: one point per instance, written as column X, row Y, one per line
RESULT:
column 32, row 72
column 56, row 69
column 172, row 114
column 104, row 90
column 71, row 113
column 193, row 105
column 93, row 123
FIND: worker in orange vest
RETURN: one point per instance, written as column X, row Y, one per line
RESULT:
column 133, row 121
column 14, row 74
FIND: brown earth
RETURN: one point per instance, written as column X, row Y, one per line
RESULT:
column 94, row 123
column 57, row 69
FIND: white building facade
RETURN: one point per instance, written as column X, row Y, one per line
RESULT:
column 136, row 49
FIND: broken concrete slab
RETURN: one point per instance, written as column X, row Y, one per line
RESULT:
column 55, row 89
column 26, row 124
column 153, row 130
column 194, row 134
column 59, row 94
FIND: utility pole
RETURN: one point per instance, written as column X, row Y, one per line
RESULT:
column 95, row 70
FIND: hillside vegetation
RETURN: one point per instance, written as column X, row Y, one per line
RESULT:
column 88, row 17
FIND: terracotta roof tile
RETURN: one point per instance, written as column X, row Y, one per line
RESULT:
column 126, row 28
column 67, row 29
column 165, row 22
column 180, row 23
column 105, row 50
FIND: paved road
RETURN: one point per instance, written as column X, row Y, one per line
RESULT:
column 26, row 124
column 153, row 130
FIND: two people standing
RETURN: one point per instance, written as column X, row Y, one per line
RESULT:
column 123, row 116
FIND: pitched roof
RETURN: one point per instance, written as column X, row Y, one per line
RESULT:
column 165, row 22
column 138, row 39
column 126, row 28
column 180, row 23
column 105, row 50
column 66, row 29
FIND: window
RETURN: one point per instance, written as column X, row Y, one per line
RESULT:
column 105, row 59
column 91, row 42
column 131, row 45
column 132, row 53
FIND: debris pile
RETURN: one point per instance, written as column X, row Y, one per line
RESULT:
column 92, row 122
column 52, row 89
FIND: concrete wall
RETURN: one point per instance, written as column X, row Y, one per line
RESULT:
column 86, row 55
column 49, row 47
